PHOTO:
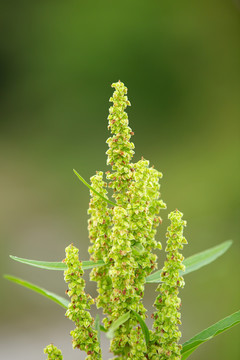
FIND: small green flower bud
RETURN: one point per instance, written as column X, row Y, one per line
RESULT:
column 53, row 352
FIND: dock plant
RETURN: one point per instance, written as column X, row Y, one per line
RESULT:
column 124, row 214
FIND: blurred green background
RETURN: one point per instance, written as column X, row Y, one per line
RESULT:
column 181, row 63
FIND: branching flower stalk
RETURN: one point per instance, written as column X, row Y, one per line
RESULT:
column 122, row 230
column 126, row 232
column 123, row 237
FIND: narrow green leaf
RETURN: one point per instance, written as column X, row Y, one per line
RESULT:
column 187, row 354
column 203, row 258
column 121, row 320
column 196, row 261
column 50, row 295
column 143, row 326
column 56, row 265
column 207, row 334
column 92, row 189
column 97, row 327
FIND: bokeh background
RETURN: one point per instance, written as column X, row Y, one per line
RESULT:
column 181, row 63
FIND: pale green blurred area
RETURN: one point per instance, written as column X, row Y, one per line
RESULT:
column 181, row 64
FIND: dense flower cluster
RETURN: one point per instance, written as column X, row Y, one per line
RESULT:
column 53, row 352
column 124, row 236
column 84, row 335
column 167, row 318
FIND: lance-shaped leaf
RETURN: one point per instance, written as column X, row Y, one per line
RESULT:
column 50, row 295
column 115, row 325
column 54, row 265
column 207, row 334
column 92, row 189
column 196, row 261
column 143, row 326
column 203, row 258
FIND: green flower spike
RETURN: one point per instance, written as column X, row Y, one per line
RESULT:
column 120, row 150
column 53, row 352
column 167, row 318
column 132, row 237
column 99, row 234
column 84, row 336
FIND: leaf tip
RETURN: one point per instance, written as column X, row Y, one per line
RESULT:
column 75, row 172
column 228, row 244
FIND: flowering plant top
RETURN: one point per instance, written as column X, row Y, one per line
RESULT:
column 123, row 236
column 123, row 260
